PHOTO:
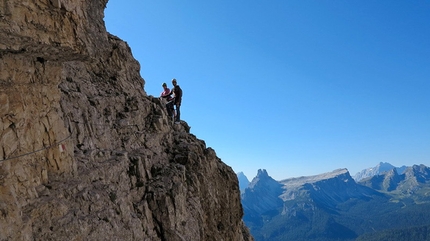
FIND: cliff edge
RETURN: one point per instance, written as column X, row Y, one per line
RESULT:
column 85, row 153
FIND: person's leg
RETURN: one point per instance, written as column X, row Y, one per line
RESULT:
column 178, row 112
column 169, row 107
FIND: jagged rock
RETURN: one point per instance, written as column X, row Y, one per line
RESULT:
column 379, row 169
column 262, row 194
column 85, row 153
column 329, row 188
column 243, row 181
column 388, row 181
column 407, row 183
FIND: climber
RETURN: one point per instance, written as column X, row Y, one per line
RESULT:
column 167, row 95
column 177, row 91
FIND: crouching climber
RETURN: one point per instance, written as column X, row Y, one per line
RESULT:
column 167, row 95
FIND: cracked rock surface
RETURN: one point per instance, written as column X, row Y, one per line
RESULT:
column 85, row 153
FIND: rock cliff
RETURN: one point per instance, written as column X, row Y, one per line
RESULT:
column 85, row 153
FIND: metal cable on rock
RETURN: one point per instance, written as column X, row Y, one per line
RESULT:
column 45, row 148
column 59, row 142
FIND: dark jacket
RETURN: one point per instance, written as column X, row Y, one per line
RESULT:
column 178, row 94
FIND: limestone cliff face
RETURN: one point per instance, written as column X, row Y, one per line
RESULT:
column 85, row 154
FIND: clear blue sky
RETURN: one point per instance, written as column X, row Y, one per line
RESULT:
column 296, row 87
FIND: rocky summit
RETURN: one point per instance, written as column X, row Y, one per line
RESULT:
column 85, row 153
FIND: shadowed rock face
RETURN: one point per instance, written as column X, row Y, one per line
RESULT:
column 85, row 154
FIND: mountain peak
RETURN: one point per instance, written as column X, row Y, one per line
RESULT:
column 262, row 173
column 420, row 173
column 405, row 182
column 373, row 171
column 243, row 181
column 262, row 194
column 385, row 166
column 262, row 178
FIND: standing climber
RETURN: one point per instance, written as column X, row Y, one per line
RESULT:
column 177, row 91
column 167, row 94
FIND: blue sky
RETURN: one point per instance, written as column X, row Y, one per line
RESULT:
column 296, row 87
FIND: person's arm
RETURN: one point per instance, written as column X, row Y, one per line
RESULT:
column 166, row 93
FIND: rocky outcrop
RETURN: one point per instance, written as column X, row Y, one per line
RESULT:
column 262, row 194
column 85, row 153
column 327, row 189
column 243, row 181
column 388, row 181
column 413, row 179
column 379, row 169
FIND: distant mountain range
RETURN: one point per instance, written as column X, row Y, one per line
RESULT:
column 335, row 206
column 381, row 168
